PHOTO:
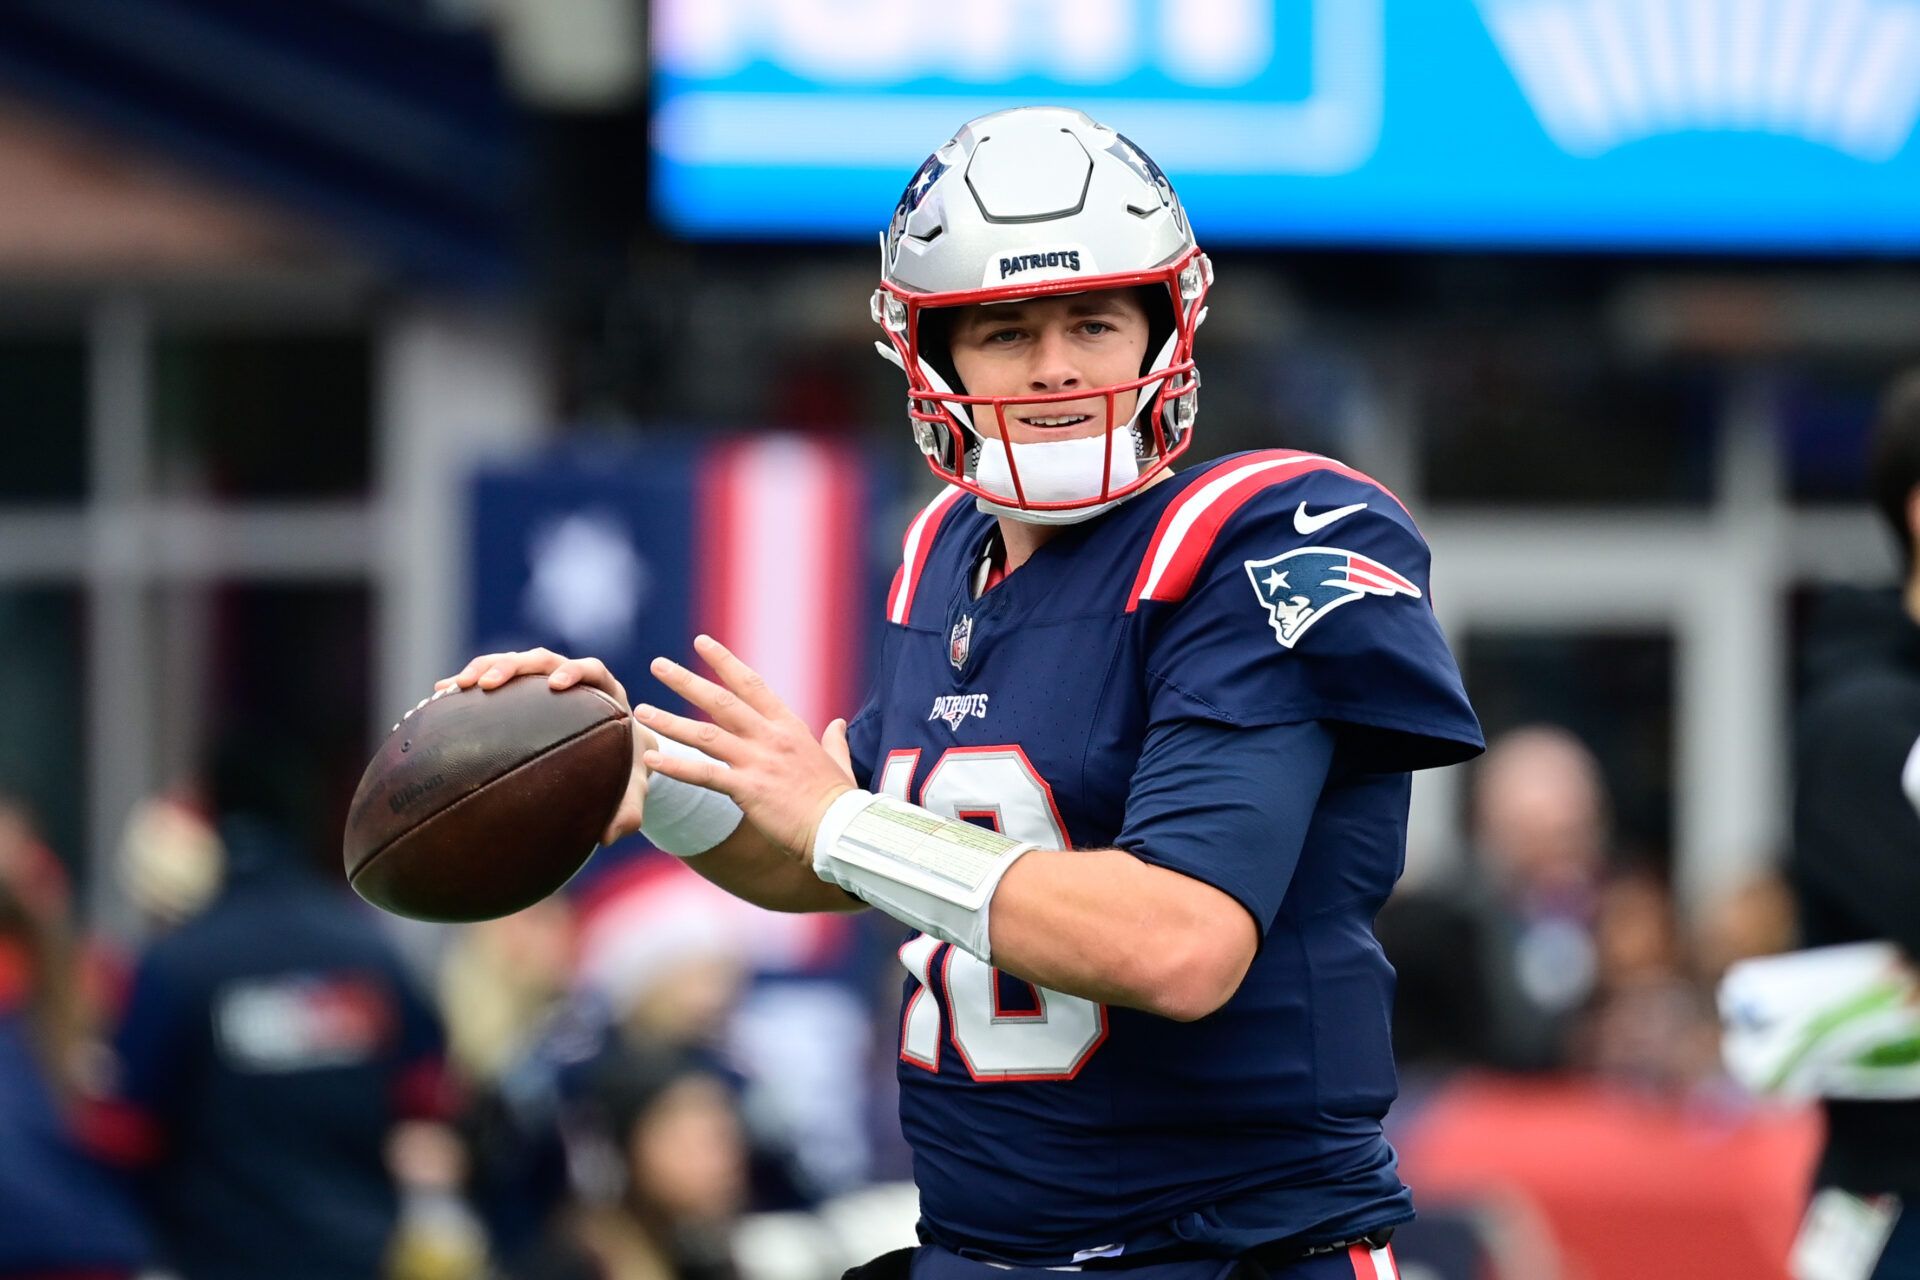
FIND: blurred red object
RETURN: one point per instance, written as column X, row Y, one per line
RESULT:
column 1630, row 1186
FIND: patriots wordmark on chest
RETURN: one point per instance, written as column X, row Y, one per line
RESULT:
column 955, row 707
column 1299, row 588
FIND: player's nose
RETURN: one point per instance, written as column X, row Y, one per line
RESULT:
column 1054, row 366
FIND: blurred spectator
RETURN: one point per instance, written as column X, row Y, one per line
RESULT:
column 1649, row 1024
column 269, row 1046
column 61, row 1214
column 660, row 979
column 171, row 861
column 1756, row 919
column 1495, row 962
column 669, row 957
column 663, row 961
column 439, row 1236
column 775, row 1000
column 1856, row 852
column 661, row 1159
column 42, row 954
column 500, row 980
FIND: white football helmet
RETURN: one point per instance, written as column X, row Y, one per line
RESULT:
column 1038, row 202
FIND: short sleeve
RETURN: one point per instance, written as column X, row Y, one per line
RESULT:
column 1239, row 829
column 1333, row 625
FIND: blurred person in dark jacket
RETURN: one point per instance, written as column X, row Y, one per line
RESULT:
column 1495, row 962
column 269, row 1048
column 63, row 1216
column 1650, row 1024
column 1855, row 865
column 660, row 1165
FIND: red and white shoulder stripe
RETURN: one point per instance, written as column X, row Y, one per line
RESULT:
column 914, row 549
column 1191, row 522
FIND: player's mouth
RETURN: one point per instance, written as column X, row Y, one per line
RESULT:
column 1058, row 421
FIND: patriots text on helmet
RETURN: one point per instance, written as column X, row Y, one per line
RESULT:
column 1058, row 258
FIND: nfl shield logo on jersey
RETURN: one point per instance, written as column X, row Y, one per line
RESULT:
column 959, row 640
column 1301, row 587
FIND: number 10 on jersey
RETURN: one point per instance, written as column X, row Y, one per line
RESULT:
column 999, row 787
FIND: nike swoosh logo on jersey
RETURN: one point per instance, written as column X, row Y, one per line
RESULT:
column 1306, row 524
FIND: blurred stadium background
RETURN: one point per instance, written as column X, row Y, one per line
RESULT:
column 343, row 339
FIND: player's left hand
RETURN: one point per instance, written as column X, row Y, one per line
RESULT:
column 780, row 777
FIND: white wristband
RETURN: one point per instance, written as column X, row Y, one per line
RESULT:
column 936, row 874
column 683, row 819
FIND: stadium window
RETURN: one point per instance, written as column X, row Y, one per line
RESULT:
column 1615, row 691
column 1826, row 414
column 275, row 415
column 43, row 412
column 44, row 691
column 257, row 633
column 1548, row 418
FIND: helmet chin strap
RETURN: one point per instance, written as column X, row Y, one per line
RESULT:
column 1056, row 471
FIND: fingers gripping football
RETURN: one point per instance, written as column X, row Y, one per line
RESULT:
column 491, row 670
column 768, row 761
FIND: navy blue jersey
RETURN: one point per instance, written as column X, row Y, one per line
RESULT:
column 1229, row 675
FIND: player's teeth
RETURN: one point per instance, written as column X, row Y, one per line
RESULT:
column 1056, row 422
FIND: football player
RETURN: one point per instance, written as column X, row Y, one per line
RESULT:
column 1135, row 770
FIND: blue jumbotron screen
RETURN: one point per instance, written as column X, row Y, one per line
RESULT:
column 1739, row 125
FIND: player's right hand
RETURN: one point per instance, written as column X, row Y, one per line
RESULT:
column 491, row 670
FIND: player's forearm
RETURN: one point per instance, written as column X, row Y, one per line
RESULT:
column 1104, row 925
column 750, row 866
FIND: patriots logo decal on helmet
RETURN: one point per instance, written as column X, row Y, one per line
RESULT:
column 1301, row 587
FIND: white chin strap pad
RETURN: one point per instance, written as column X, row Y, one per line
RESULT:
column 1059, row 470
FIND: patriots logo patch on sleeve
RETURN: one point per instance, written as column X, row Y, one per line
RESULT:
column 1301, row 587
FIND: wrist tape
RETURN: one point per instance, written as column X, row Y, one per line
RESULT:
column 936, row 874
column 683, row 819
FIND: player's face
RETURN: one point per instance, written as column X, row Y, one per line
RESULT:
column 1042, row 346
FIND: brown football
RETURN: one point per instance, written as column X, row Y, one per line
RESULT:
column 481, row 803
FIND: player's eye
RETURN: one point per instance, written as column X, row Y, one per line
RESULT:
column 1001, row 337
column 1095, row 328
